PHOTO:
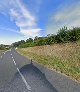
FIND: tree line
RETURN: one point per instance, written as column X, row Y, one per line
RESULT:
column 4, row 47
column 64, row 35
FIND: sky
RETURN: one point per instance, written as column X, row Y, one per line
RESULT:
column 23, row 19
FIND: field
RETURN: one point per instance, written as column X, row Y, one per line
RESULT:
column 64, row 58
column 2, row 51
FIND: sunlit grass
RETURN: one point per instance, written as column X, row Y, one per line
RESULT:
column 61, row 57
column 2, row 51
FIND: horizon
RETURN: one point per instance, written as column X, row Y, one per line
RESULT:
column 21, row 20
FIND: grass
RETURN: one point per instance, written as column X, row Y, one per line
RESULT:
column 2, row 51
column 64, row 58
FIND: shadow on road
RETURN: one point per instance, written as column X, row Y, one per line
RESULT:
column 36, row 79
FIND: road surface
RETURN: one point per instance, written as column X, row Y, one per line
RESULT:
column 13, row 78
column 18, row 74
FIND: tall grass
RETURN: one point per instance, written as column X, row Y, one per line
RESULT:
column 61, row 57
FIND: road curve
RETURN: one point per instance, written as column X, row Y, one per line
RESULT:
column 25, row 79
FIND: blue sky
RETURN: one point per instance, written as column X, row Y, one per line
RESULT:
column 21, row 19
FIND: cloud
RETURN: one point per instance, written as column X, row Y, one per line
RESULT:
column 68, row 16
column 23, row 18
column 31, row 32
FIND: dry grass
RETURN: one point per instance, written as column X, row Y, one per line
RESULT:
column 2, row 51
column 62, row 57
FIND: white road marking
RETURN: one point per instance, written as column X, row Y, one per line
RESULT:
column 5, row 52
column 12, row 57
column 1, row 56
column 14, row 62
column 24, row 80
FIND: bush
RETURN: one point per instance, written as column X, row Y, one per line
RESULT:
column 64, row 35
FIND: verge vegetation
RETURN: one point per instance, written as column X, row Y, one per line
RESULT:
column 61, row 57
column 4, row 47
column 64, row 35
column 60, row 52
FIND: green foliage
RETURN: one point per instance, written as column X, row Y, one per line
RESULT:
column 64, row 35
column 17, row 44
column 39, row 41
column 50, row 39
column 74, row 34
column 4, row 47
column 29, row 40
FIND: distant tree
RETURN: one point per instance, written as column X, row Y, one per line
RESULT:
column 4, row 47
column 64, row 35
column 29, row 40
column 39, row 41
column 17, row 44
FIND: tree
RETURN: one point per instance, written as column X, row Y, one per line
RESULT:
column 50, row 39
column 62, row 35
column 74, row 34
column 29, row 40
column 17, row 44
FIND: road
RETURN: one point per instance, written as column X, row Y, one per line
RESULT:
column 17, row 78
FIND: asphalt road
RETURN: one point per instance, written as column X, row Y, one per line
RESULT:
column 13, row 78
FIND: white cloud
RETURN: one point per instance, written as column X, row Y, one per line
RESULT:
column 68, row 16
column 31, row 32
column 24, row 11
column 23, row 18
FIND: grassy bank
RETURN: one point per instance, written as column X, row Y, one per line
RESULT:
column 2, row 51
column 61, row 57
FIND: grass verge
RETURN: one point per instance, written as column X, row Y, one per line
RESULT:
column 64, row 58
column 2, row 51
